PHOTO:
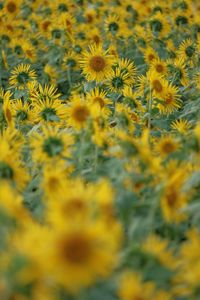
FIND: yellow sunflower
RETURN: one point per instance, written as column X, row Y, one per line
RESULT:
column 181, row 125
column 21, row 76
column 159, row 66
column 118, row 81
column 78, row 113
column 170, row 100
column 128, row 67
column 86, row 249
column 157, row 84
column 96, row 63
column 49, row 111
column 50, row 143
column 187, row 50
column 11, row 167
column 99, row 97
column 22, row 112
column 149, row 55
column 46, row 92
column 166, row 145
column 11, row 7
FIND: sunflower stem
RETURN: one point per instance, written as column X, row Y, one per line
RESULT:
column 69, row 77
column 150, row 109
column 95, row 159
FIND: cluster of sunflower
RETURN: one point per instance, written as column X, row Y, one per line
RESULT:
column 99, row 150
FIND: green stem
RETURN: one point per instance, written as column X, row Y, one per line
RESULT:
column 150, row 109
column 69, row 77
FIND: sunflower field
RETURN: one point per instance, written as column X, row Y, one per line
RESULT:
column 99, row 150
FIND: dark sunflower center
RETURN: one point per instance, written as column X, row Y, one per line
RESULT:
column 157, row 86
column 75, row 249
column 151, row 57
column 77, row 49
column 6, row 171
column 156, row 9
column 8, row 115
column 113, row 27
column 168, row 147
column 53, row 146
column 49, row 114
column 97, row 63
column 190, row 51
column 159, row 68
column 71, row 62
column 56, row 34
column 21, row 115
column 45, row 25
column 75, row 205
column 62, row 7
column 81, row 114
column 117, row 82
column 156, row 26
column 171, row 198
column 96, row 39
column 169, row 98
column 100, row 101
column 22, row 77
column 181, row 20
column 11, row 7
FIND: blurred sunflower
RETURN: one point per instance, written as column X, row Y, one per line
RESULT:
column 50, row 144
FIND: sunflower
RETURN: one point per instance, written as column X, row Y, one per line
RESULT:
column 78, row 113
column 131, row 287
column 21, row 76
column 173, row 198
column 52, row 73
column 96, row 63
column 49, row 111
column 54, row 180
column 128, row 67
column 46, row 92
column 118, row 81
column 29, row 50
column 73, row 201
column 159, row 66
column 11, row 202
column 12, row 8
column 112, row 24
column 159, row 25
column 187, row 50
column 11, row 167
column 172, row 203
column 181, row 125
column 94, row 36
column 75, row 247
column 22, row 112
column 166, row 145
column 71, row 60
column 6, row 102
column 181, row 18
column 99, row 97
column 149, row 55
column 131, row 98
column 157, row 84
column 159, row 248
column 67, row 21
column 170, row 100
column 179, row 71
column 50, row 144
